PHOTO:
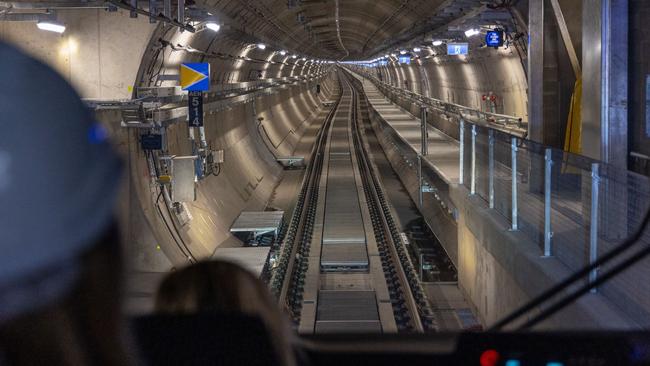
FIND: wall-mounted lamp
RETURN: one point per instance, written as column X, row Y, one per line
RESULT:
column 213, row 26
column 471, row 32
column 51, row 26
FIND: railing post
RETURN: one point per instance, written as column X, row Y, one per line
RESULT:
column 593, row 231
column 513, row 150
column 548, row 234
column 473, row 162
column 461, row 173
column 491, row 167
column 420, row 194
column 424, row 140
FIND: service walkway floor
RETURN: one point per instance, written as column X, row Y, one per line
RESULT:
column 566, row 212
column 443, row 151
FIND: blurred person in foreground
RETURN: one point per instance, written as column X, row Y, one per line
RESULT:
column 60, row 254
column 223, row 287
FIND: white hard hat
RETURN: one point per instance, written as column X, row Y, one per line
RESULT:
column 58, row 181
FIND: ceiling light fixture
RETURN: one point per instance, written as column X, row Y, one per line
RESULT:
column 51, row 26
column 283, row 53
column 417, row 49
column 437, row 43
column 471, row 32
column 261, row 46
column 213, row 26
column 402, row 52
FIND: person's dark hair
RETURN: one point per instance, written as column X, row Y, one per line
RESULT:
column 85, row 327
column 224, row 287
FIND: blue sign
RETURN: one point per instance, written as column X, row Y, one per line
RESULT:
column 195, row 109
column 454, row 49
column 405, row 60
column 195, row 76
column 494, row 38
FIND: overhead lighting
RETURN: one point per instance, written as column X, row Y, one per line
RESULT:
column 51, row 26
column 385, row 56
column 393, row 55
column 437, row 43
column 294, row 56
column 304, row 59
column 402, row 52
column 261, row 46
column 417, row 49
column 213, row 26
column 471, row 32
column 283, row 53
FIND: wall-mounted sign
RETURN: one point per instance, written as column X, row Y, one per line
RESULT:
column 405, row 60
column 494, row 38
column 454, row 49
column 195, row 106
column 195, row 76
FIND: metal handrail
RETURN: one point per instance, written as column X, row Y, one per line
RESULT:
column 509, row 124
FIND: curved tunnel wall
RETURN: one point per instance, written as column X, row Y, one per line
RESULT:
column 465, row 79
column 252, row 135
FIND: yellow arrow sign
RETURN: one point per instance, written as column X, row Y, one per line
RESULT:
column 190, row 77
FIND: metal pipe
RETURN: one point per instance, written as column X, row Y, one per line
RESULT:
column 121, row 4
column 473, row 171
column 461, row 175
column 593, row 230
column 180, row 16
column 152, row 11
column 548, row 234
column 424, row 140
column 420, row 193
column 134, row 4
column 491, row 167
column 167, row 8
column 514, row 217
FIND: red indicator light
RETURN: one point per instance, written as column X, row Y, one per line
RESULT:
column 489, row 358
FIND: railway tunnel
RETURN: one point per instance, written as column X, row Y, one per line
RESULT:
column 384, row 167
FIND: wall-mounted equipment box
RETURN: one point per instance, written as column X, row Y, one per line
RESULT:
column 183, row 172
column 151, row 142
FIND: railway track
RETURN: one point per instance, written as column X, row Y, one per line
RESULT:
column 343, row 266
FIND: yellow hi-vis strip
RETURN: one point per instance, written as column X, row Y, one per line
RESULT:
column 190, row 77
column 572, row 140
column 573, row 137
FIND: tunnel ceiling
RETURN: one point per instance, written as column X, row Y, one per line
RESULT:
column 365, row 27
column 333, row 29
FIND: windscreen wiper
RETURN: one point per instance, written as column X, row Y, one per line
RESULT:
column 577, row 276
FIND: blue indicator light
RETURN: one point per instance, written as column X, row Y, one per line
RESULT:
column 554, row 364
column 513, row 363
